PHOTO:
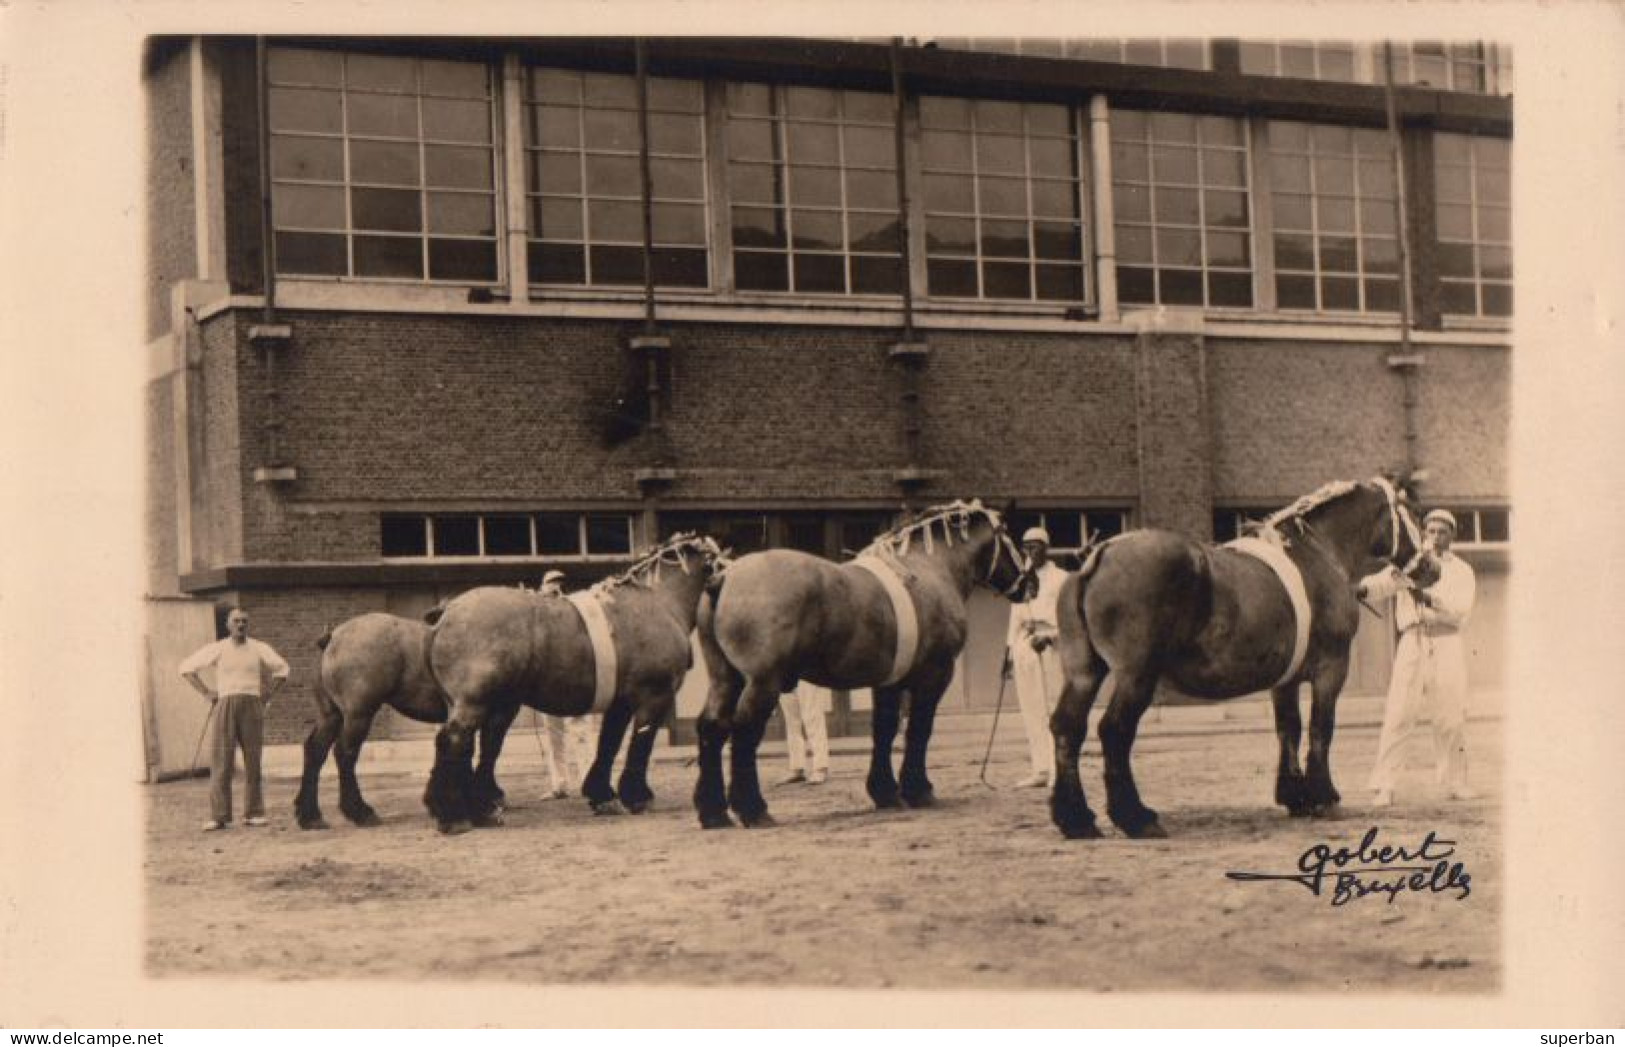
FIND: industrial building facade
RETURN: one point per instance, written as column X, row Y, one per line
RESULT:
column 430, row 314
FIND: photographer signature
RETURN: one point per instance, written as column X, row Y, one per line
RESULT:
column 1388, row 870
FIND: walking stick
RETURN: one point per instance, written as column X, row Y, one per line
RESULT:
column 1004, row 676
column 191, row 770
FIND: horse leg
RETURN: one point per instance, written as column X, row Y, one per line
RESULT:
column 634, row 784
column 1326, row 682
column 712, row 727
column 915, row 785
column 881, row 785
column 306, row 806
column 1131, row 696
column 486, row 800
column 346, row 753
column 745, row 798
column 1289, row 780
column 595, row 787
column 452, row 779
column 1069, row 726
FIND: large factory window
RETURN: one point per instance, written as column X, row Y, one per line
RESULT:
column 382, row 167
column 1003, row 200
column 584, row 183
column 1472, row 187
column 1180, row 191
column 546, row 535
column 812, row 185
column 1332, row 196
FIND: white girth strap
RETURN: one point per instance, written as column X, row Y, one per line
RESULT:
column 908, row 625
column 603, row 646
column 1292, row 580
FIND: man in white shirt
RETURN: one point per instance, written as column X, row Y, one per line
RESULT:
column 1430, row 666
column 1030, row 645
column 571, row 741
column 806, row 734
column 240, row 694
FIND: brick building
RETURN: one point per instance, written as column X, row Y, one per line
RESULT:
column 401, row 340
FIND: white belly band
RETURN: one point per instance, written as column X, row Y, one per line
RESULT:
column 908, row 626
column 1291, row 578
column 603, row 647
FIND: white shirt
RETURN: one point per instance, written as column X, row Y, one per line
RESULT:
column 1036, row 617
column 1451, row 596
column 237, row 666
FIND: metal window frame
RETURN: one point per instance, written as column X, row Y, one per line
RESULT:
column 1478, row 281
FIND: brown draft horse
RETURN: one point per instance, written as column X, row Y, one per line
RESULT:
column 1216, row 623
column 370, row 661
column 779, row 616
column 497, row 649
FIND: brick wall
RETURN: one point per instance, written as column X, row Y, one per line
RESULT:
column 218, row 521
column 1176, row 453
column 160, row 514
column 171, row 230
column 1464, row 403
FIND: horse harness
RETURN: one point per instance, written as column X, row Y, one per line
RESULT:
column 1272, row 553
column 592, row 614
column 908, row 624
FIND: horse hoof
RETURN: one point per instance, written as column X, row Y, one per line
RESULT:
column 635, row 806
column 759, row 821
column 925, row 799
column 1085, row 831
column 1151, row 830
column 367, row 819
column 491, row 820
column 607, row 807
column 1329, row 812
column 716, row 821
column 887, row 803
column 313, row 824
column 453, row 828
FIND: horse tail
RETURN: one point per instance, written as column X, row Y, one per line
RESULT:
column 323, row 640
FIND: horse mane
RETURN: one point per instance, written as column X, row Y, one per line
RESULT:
column 954, row 515
column 1309, row 503
column 636, row 574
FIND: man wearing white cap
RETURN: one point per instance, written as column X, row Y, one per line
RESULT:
column 1430, row 666
column 570, row 739
column 1030, row 646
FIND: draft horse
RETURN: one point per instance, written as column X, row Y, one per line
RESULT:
column 1218, row 622
column 892, row 619
column 497, row 649
column 370, row 661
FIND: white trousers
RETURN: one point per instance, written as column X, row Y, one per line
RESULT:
column 1038, row 682
column 806, row 735
column 570, row 742
column 1430, row 676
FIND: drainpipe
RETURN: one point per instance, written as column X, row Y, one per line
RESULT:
column 269, row 336
column 909, row 352
column 649, row 347
column 1406, row 361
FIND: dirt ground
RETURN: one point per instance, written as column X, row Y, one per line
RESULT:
column 978, row 893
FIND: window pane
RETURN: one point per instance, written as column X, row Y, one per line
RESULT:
column 1004, row 239
column 1173, row 164
column 390, row 210
column 1456, row 260
column 307, row 158
column 1179, row 247
column 403, row 536
column 1337, row 214
column 1000, row 154
column 957, row 235
column 1380, row 256
column 609, row 90
column 453, row 168
column 751, row 140
column 288, row 65
column 1382, row 296
column 1227, row 209
column 673, row 133
column 1053, row 157
column 1136, row 285
column 1333, row 174
column 1338, row 254
column 754, row 184
column 678, row 224
column 615, row 265
column 1289, row 173
column 1224, row 167
column 1495, row 525
column 1055, row 199
column 1454, row 222
column 815, row 185
column 1006, row 280
column 755, row 271
column 450, row 120
column 311, row 253
column 758, row 227
column 1181, row 206
column 557, row 264
column 1131, row 203
column 462, row 260
column 681, row 96
column 507, row 536
column 1458, row 298
column 1294, row 212
column 456, row 535
column 557, row 219
column 556, row 173
column 1295, row 292
column 819, row 230
column 387, row 163
column 380, row 73
column 610, row 130
column 680, row 267
column 873, row 232
column 389, row 256
column 949, row 193
column 465, row 214
column 877, row 275
column 303, row 109
column 460, row 79
column 308, row 207
column 1228, row 249
column 1131, row 161
column 812, row 144
column 1180, row 286
column 677, row 179
column 1057, row 240
column 558, row 534
column 820, row 273
column 945, row 112
column 1002, row 196
column 869, row 146
column 1134, row 244
column 1495, row 223
column 1060, row 283
column 1230, row 289
column 876, row 189
column 393, row 115
column 1377, row 216
column 615, row 220
column 1339, row 293
column 1294, row 252
column 609, row 536
column 1495, row 263
column 951, row 279
column 614, row 176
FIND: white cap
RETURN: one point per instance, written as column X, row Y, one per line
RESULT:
column 1035, row 534
column 1443, row 516
column 552, row 576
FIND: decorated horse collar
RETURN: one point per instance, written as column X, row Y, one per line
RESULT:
column 953, row 516
column 669, row 552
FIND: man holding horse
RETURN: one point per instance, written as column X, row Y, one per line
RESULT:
column 1430, row 663
column 1030, row 649
column 239, row 696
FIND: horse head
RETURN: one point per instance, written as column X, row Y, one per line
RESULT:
column 1398, row 540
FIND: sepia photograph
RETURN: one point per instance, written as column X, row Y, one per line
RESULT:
column 616, row 505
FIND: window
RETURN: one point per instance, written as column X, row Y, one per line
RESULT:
column 585, row 180
column 1304, row 59
column 1172, row 53
column 549, row 535
column 382, row 167
column 1333, row 201
column 1478, row 527
column 1183, row 219
column 834, row 534
column 1003, row 213
column 1232, row 523
column 1070, row 529
column 1473, row 197
column 812, row 180
column 1450, row 67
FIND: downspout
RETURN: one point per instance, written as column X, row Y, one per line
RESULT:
column 649, row 347
column 909, row 352
column 268, row 335
column 1406, row 361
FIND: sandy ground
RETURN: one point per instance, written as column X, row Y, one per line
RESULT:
column 980, row 892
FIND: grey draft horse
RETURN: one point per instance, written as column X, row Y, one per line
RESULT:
column 1216, row 622
column 370, row 661
column 892, row 619
column 495, row 650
